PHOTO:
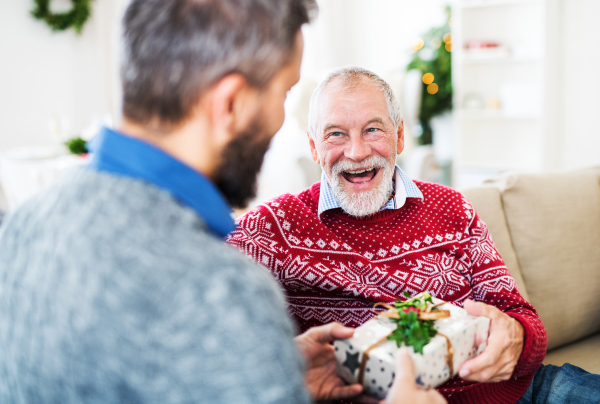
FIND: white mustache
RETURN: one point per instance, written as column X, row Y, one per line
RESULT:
column 349, row 165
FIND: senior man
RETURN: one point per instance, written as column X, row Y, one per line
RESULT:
column 115, row 285
column 366, row 233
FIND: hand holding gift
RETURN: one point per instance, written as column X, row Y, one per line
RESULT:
column 504, row 346
column 321, row 379
column 404, row 390
column 323, row 383
column 440, row 336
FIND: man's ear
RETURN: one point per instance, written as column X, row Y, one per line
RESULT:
column 400, row 145
column 227, row 106
column 313, row 148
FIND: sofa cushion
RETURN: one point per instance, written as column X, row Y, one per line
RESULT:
column 554, row 223
column 488, row 204
column 582, row 353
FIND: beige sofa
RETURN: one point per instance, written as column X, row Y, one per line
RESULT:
column 547, row 229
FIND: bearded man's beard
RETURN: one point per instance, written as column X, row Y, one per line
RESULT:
column 361, row 204
column 237, row 173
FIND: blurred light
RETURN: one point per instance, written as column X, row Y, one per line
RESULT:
column 419, row 44
column 432, row 88
column 448, row 47
column 435, row 43
column 448, row 38
column 450, row 21
column 428, row 78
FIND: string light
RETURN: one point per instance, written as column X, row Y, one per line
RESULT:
column 428, row 78
column 447, row 38
column 448, row 47
column 432, row 88
column 419, row 43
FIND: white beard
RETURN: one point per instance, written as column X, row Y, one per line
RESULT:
column 361, row 204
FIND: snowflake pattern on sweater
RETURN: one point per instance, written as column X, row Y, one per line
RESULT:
column 334, row 268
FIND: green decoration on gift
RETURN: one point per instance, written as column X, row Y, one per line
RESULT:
column 432, row 57
column 77, row 146
column 75, row 18
column 410, row 330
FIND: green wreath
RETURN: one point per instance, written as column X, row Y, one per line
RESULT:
column 75, row 18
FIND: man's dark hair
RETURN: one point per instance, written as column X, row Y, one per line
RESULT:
column 174, row 50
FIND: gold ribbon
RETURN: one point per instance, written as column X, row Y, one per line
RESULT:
column 392, row 312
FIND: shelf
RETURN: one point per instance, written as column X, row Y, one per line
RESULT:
column 486, row 115
column 494, row 3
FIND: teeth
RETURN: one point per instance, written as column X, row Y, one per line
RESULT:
column 359, row 171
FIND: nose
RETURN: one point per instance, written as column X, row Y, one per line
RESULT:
column 358, row 149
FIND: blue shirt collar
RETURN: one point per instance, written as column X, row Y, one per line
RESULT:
column 405, row 188
column 116, row 153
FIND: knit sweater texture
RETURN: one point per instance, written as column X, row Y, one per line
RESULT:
column 111, row 291
column 334, row 268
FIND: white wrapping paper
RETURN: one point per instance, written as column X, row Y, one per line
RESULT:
column 431, row 368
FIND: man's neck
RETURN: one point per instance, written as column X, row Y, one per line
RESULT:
column 189, row 142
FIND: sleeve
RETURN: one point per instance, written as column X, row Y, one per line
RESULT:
column 493, row 285
column 255, row 237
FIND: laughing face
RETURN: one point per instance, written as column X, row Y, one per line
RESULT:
column 356, row 144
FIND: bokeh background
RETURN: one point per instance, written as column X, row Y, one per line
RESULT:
column 485, row 86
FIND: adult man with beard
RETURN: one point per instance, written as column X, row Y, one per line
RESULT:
column 367, row 233
column 115, row 285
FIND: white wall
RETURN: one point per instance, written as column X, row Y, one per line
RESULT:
column 580, row 85
column 44, row 75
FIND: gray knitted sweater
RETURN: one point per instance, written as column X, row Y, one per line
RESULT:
column 113, row 292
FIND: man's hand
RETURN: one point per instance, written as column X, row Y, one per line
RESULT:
column 321, row 379
column 405, row 390
column 504, row 346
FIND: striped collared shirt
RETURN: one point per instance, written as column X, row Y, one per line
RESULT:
column 405, row 188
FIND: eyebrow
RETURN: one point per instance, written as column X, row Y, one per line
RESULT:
column 330, row 126
column 335, row 125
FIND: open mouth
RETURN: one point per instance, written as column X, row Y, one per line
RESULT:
column 360, row 176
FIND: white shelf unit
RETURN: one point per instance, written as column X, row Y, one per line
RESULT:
column 519, row 135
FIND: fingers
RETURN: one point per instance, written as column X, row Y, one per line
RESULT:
column 481, row 309
column 480, row 338
column 329, row 333
column 482, row 367
column 405, row 368
column 405, row 390
column 346, row 391
column 474, row 369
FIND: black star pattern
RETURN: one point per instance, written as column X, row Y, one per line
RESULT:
column 351, row 361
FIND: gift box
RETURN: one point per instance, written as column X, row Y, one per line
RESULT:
column 369, row 356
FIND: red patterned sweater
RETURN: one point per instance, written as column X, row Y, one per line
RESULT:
column 336, row 267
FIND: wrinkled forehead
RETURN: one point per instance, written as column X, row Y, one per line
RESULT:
column 355, row 99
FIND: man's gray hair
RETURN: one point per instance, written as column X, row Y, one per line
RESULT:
column 349, row 77
column 174, row 50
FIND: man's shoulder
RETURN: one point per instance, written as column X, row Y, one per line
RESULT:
column 433, row 193
column 441, row 199
column 126, row 224
column 304, row 203
column 433, row 189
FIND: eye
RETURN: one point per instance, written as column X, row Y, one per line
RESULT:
column 372, row 129
column 335, row 134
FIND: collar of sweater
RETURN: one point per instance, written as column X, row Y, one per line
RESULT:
column 315, row 192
